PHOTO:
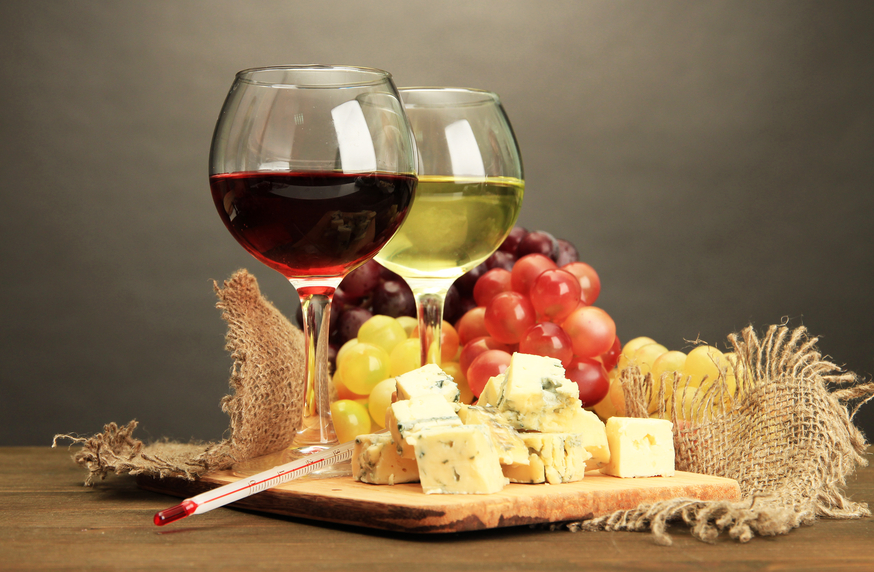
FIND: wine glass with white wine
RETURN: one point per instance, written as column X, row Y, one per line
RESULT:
column 467, row 200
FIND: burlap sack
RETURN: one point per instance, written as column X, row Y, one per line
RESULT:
column 787, row 438
column 265, row 407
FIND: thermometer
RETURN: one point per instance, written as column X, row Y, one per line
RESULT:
column 270, row 478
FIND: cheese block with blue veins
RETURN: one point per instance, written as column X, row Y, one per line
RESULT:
column 404, row 419
column 534, row 395
column 427, row 379
column 511, row 447
column 458, row 460
column 375, row 460
column 554, row 458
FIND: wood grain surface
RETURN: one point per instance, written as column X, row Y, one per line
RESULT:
column 405, row 508
column 51, row 522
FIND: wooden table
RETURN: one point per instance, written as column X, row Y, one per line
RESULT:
column 51, row 522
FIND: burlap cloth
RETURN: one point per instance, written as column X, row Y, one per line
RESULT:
column 788, row 436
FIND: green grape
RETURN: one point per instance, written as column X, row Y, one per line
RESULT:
column 363, row 366
column 703, row 365
column 662, row 372
column 406, row 356
column 344, row 349
column 408, row 323
column 380, row 399
column 629, row 348
column 645, row 356
column 350, row 419
column 382, row 331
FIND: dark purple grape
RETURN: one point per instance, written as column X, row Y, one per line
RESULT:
column 386, row 274
column 567, row 253
column 467, row 304
column 467, row 281
column 511, row 243
column 394, row 298
column 538, row 242
column 350, row 321
column 361, row 281
column 452, row 305
column 501, row 259
column 339, row 303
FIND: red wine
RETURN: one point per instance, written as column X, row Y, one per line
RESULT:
column 312, row 224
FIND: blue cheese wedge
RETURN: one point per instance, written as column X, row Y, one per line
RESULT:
column 511, row 448
column 554, row 458
column 375, row 460
column 536, row 396
column 593, row 434
column 640, row 447
column 427, row 379
column 492, row 391
column 404, row 419
column 458, row 460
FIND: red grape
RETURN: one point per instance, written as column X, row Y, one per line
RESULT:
column 592, row 331
column 491, row 284
column 453, row 307
column 591, row 377
column 538, row 242
column 476, row 346
column 567, row 253
column 527, row 269
column 472, row 325
column 511, row 243
column 555, row 294
column 394, row 298
column 501, row 259
column 467, row 281
column 362, row 280
column 486, row 365
column 589, row 280
column 611, row 357
column 547, row 339
column 508, row 316
column 350, row 322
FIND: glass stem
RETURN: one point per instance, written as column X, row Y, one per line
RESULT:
column 429, row 306
column 317, row 427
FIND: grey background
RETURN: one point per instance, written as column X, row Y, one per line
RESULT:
column 712, row 160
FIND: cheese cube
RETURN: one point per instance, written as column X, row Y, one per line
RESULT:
column 536, row 396
column 492, row 391
column 554, row 458
column 375, row 460
column 427, row 379
column 458, row 460
column 511, row 448
column 640, row 447
column 593, row 434
column 405, row 418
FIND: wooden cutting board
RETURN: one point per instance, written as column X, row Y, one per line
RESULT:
column 405, row 508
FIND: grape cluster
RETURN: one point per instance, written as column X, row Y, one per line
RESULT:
column 532, row 295
column 372, row 289
column 697, row 371
column 535, row 296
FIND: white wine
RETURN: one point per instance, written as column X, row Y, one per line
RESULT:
column 454, row 224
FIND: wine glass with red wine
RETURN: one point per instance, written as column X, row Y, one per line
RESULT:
column 312, row 170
